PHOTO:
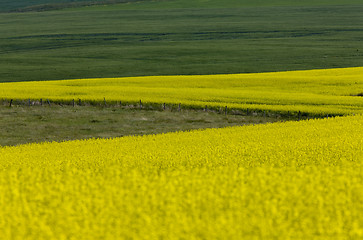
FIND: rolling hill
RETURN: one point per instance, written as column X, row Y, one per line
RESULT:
column 179, row 37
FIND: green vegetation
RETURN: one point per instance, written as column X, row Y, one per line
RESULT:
column 41, row 5
column 10, row 5
column 235, row 3
column 22, row 124
column 46, row 5
column 167, row 38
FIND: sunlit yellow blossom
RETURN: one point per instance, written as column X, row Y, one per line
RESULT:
column 329, row 91
column 293, row 180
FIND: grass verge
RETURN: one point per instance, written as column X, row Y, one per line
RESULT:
column 24, row 124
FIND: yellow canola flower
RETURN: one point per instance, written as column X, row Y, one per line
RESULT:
column 328, row 91
column 292, row 180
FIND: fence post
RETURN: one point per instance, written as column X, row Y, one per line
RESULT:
column 179, row 107
column 225, row 112
column 11, row 102
column 41, row 102
column 73, row 102
column 164, row 106
column 206, row 108
column 79, row 102
column 48, row 102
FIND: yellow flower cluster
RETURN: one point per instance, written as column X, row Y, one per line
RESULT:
column 292, row 180
column 329, row 91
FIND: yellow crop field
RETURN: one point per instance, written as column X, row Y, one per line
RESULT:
column 292, row 180
column 329, row 91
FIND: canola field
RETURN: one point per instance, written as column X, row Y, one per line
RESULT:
column 318, row 92
column 292, row 180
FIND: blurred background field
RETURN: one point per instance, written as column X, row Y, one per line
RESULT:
column 179, row 37
column 44, row 5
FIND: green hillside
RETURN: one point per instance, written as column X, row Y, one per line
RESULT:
column 26, row 5
column 11, row 5
column 180, row 37
column 42, row 5
column 237, row 3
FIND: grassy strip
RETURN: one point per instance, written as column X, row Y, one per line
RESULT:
column 22, row 124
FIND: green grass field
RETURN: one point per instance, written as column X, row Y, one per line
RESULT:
column 234, row 3
column 180, row 37
column 34, row 5
column 44, row 5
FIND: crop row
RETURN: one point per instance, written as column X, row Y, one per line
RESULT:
column 330, row 91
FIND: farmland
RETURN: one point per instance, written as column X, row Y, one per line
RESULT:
column 298, row 180
column 181, row 119
column 168, row 38
column 314, row 92
column 48, row 5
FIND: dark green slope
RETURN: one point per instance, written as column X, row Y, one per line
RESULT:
column 238, row 3
column 169, row 37
column 14, row 5
column 28, row 5
column 46, row 5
